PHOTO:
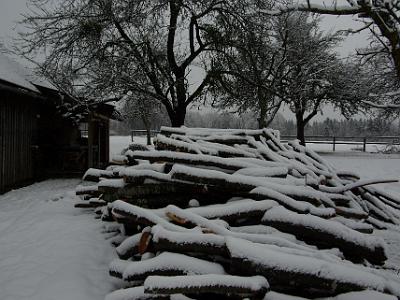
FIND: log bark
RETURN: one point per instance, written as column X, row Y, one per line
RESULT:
column 223, row 183
column 199, row 284
column 92, row 192
column 293, row 281
column 296, row 274
column 190, row 159
column 84, row 205
column 351, row 213
column 325, row 239
column 96, row 174
column 211, row 244
column 236, row 212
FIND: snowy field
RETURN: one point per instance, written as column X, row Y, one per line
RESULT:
column 118, row 143
column 369, row 166
column 51, row 250
column 375, row 166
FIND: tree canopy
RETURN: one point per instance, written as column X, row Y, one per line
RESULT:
column 105, row 47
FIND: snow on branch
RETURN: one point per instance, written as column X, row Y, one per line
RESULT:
column 327, row 9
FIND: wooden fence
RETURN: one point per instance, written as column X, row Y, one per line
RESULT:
column 143, row 133
column 347, row 140
column 321, row 139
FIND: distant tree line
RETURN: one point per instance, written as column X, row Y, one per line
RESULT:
column 362, row 127
column 344, row 128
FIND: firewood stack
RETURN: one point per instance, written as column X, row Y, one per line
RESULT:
column 212, row 213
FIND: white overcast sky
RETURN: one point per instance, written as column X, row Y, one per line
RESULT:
column 11, row 10
column 10, row 13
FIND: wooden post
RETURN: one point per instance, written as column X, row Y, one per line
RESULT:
column 100, row 137
column 334, row 143
column 107, row 142
column 90, row 140
column 364, row 144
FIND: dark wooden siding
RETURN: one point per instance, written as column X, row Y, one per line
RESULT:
column 17, row 139
column 36, row 142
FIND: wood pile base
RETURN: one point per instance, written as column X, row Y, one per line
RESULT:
column 233, row 214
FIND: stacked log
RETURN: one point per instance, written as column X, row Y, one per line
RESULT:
column 237, row 214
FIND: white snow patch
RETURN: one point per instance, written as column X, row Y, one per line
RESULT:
column 172, row 261
column 49, row 249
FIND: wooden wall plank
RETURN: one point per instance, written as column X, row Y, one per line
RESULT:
column 17, row 125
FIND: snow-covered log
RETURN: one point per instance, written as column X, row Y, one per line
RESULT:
column 169, row 264
column 228, row 164
column 92, row 190
column 327, row 234
column 135, row 293
column 231, row 204
column 255, row 286
column 186, row 242
column 363, row 295
column 301, row 275
column 237, row 210
column 93, row 174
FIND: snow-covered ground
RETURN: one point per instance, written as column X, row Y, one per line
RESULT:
column 375, row 166
column 369, row 166
column 118, row 143
column 49, row 249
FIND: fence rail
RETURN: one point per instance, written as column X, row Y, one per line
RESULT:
column 141, row 132
column 320, row 139
column 347, row 140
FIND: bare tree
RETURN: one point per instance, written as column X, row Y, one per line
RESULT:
column 137, row 106
column 380, row 17
column 146, row 47
column 383, row 86
column 250, row 71
column 314, row 75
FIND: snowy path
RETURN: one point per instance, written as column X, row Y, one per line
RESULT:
column 49, row 249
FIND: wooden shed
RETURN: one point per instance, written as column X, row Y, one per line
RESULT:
column 39, row 138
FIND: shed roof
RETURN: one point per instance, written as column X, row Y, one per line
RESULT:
column 16, row 74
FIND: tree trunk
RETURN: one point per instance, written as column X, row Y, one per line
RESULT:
column 147, row 125
column 261, row 120
column 300, row 124
column 262, row 103
column 396, row 59
column 178, row 117
column 148, row 133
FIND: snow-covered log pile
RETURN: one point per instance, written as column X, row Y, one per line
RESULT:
column 238, row 214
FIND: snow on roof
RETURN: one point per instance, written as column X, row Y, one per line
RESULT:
column 17, row 74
